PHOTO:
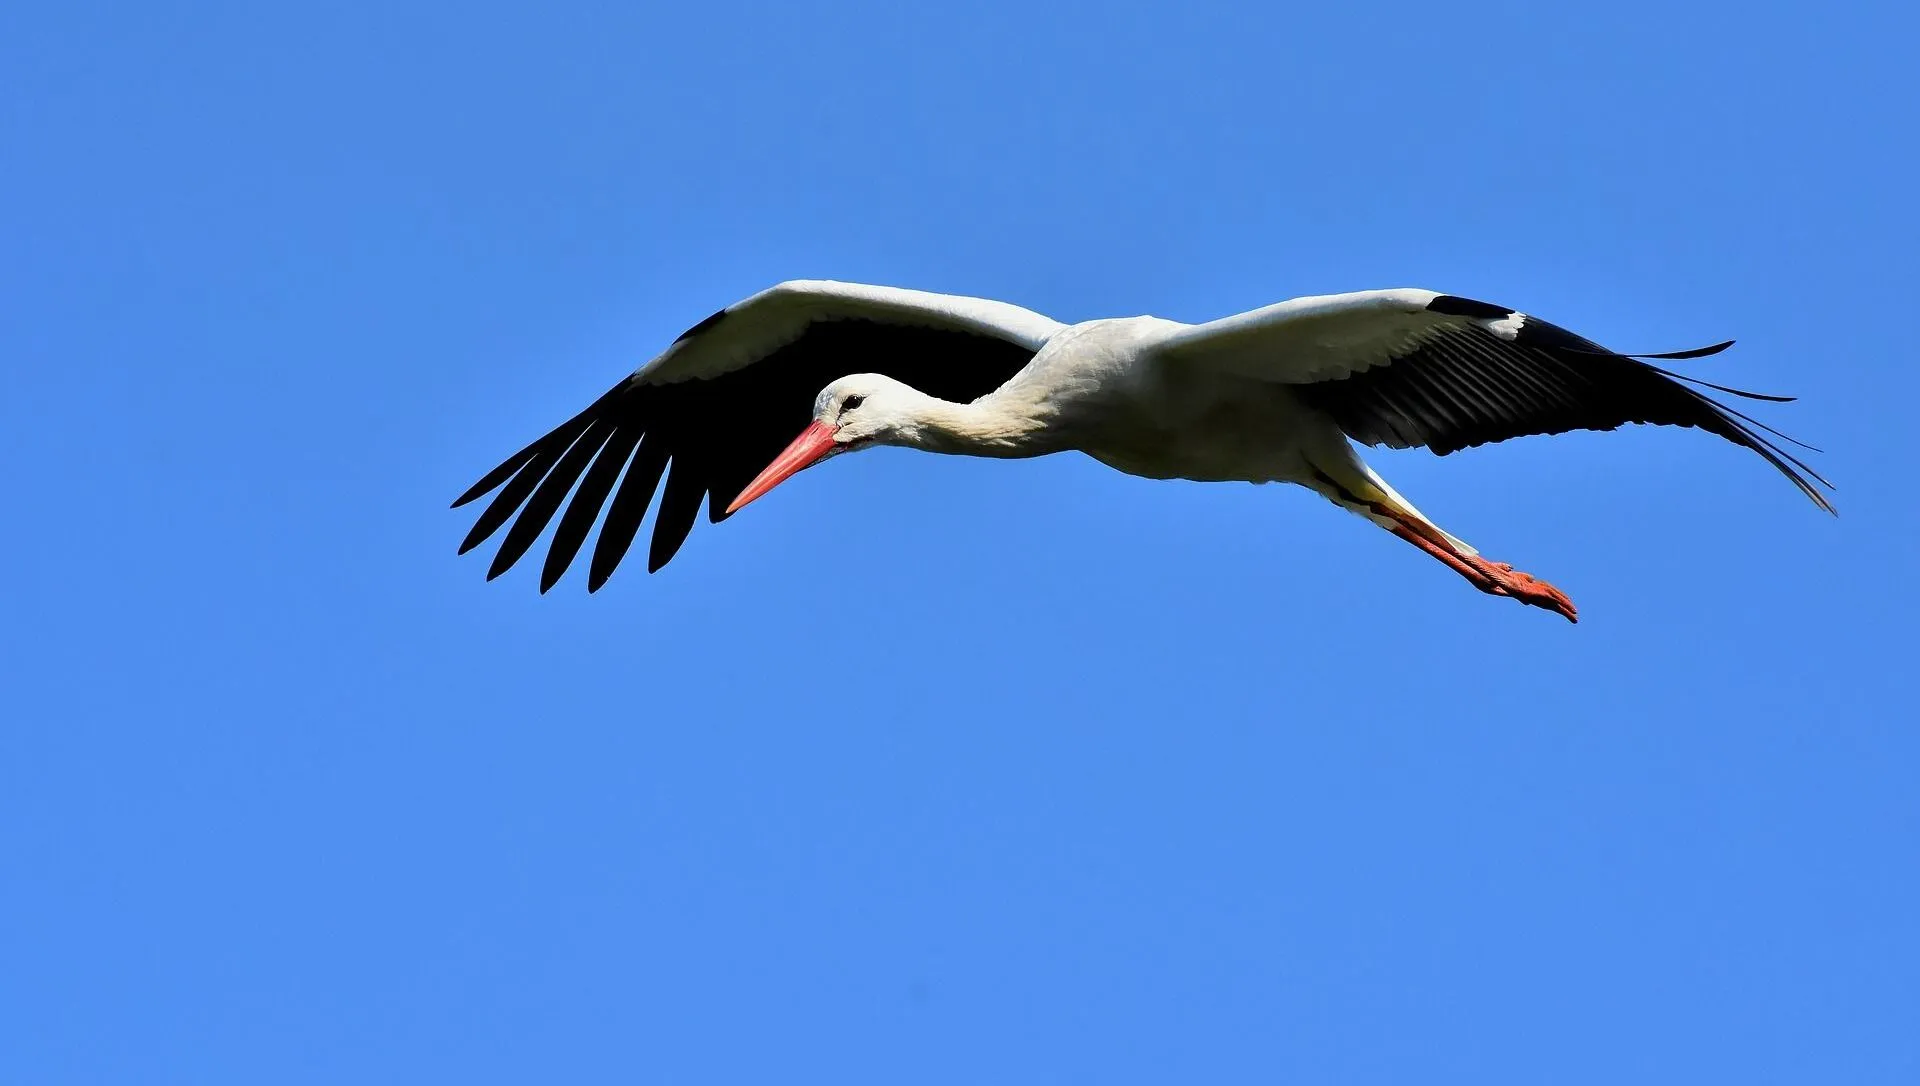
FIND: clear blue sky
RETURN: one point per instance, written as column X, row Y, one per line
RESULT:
column 927, row 770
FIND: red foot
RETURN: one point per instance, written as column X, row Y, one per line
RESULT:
column 1495, row 578
column 1501, row 579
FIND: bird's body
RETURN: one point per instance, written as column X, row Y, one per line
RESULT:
column 1146, row 416
column 1273, row 395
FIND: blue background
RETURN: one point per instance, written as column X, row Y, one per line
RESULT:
column 924, row 769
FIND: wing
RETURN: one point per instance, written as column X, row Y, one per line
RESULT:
column 720, row 403
column 1411, row 367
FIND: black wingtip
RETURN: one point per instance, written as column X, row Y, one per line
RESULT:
column 1740, row 392
column 485, row 486
column 502, row 562
column 1728, row 423
column 1697, row 352
column 494, row 478
column 1588, row 348
column 511, row 466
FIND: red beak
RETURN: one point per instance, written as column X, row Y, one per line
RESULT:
column 813, row 445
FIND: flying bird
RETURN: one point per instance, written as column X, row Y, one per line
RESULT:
column 1275, row 394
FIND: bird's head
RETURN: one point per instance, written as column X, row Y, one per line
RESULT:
column 851, row 413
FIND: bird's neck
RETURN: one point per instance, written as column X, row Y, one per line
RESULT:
column 997, row 425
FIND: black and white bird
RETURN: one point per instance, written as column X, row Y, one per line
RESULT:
column 1276, row 394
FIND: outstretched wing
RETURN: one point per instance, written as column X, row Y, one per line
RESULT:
column 1408, row 367
column 720, row 403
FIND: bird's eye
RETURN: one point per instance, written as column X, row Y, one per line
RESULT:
column 852, row 402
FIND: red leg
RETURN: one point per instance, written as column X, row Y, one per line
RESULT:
column 1493, row 578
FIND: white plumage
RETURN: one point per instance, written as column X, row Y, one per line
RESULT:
column 1276, row 394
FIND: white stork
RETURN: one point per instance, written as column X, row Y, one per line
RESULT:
column 1271, row 395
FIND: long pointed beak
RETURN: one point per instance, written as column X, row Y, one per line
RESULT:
column 814, row 444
